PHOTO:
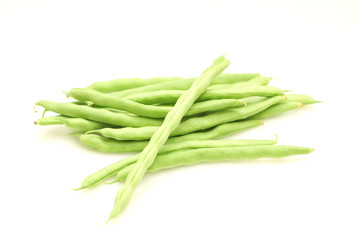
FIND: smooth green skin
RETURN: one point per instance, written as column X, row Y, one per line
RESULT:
column 171, row 121
column 75, row 124
column 98, row 115
column 305, row 99
column 221, row 154
column 109, row 145
column 171, row 96
column 106, row 100
column 112, row 169
column 220, row 117
column 185, row 84
column 53, row 120
column 258, row 81
column 293, row 101
column 242, row 92
column 194, row 124
column 221, row 130
column 129, row 83
column 277, row 109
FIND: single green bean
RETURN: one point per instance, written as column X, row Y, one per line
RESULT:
column 220, row 117
column 171, row 121
column 171, row 96
column 109, row 145
column 53, row 120
column 129, row 83
column 305, row 99
column 210, row 155
column 112, row 169
column 106, row 100
column 184, row 84
column 293, row 101
column 246, row 91
column 99, row 115
column 277, row 109
column 75, row 124
column 258, row 81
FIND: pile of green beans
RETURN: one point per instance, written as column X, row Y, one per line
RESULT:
column 172, row 121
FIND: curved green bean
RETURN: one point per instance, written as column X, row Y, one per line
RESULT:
column 109, row 145
column 210, row 155
column 99, row 115
column 305, row 99
column 53, row 120
column 171, row 121
column 129, row 83
column 75, row 124
column 106, row 100
column 185, row 84
column 257, row 81
column 293, row 101
column 229, row 115
column 171, row 96
column 277, row 109
column 112, row 169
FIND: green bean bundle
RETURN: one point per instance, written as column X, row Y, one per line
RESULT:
column 171, row 122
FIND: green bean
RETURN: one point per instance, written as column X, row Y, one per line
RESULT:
column 293, row 101
column 229, row 115
column 99, row 115
column 211, row 155
column 277, row 109
column 301, row 98
column 184, row 84
column 112, row 169
column 171, row 96
column 171, row 121
column 106, row 100
column 221, row 130
column 75, row 124
column 257, row 81
column 53, row 120
column 109, row 145
column 129, row 83
column 246, row 91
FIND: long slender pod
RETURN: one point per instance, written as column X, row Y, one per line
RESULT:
column 112, row 169
column 75, row 124
column 202, row 155
column 171, row 96
column 108, row 145
column 99, row 115
column 184, row 84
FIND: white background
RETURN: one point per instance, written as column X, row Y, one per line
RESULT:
column 308, row 46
